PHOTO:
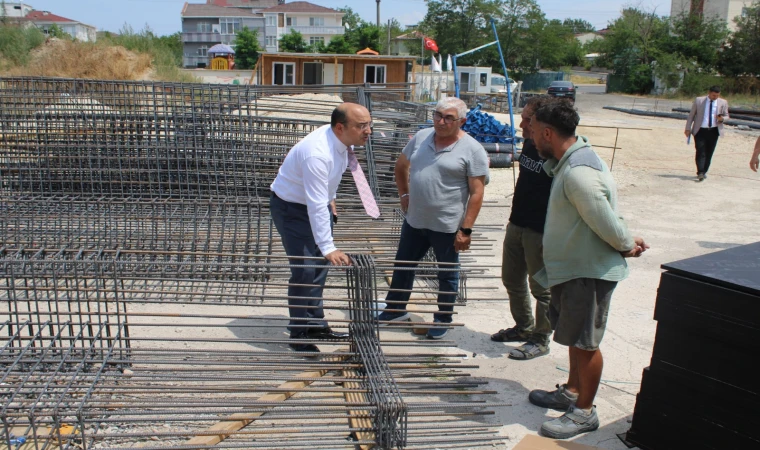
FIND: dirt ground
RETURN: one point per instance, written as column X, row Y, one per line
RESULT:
column 662, row 202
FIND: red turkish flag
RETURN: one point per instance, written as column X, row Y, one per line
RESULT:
column 431, row 45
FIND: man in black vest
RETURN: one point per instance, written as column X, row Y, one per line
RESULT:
column 522, row 255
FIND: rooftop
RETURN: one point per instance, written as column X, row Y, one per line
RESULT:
column 301, row 7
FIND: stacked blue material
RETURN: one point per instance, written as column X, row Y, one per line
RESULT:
column 485, row 128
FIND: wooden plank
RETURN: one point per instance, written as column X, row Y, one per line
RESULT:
column 354, row 421
column 239, row 421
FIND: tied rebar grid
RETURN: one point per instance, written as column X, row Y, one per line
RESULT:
column 122, row 199
column 83, row 137
column 103, row 384
column 390, row 415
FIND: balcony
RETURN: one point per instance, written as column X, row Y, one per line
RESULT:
column 202, row 37
column 316, row 30
column 192, row 61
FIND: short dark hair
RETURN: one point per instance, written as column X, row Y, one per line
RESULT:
column 560, row 116
column 338, row 116
column 715, row 88
column 538, row 101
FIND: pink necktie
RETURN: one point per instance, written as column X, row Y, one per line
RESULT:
column 365, row 193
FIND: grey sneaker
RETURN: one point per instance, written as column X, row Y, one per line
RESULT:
column 560, row 399
column 572, row 423
column 529, row 350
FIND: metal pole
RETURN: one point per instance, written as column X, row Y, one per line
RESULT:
column 456, row 78
column 389, row 35
column 509, row 93
column 378, row 13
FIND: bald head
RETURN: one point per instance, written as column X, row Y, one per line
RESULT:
column 351, row 123
column 346, row 112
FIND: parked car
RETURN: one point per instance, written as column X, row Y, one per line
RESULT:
column 565, row 89
column 498, row 84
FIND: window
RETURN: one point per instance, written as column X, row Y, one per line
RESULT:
column 203, row 50
column 316, row 21
column 483, row 79
column 229, row 26
column 283, row 73
column 374, row 73
column 271, row 41
column 291, row 21
column 314, row 39
column 272, row 20
column 204, row 27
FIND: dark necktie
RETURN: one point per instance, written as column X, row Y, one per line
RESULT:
column 710, row 120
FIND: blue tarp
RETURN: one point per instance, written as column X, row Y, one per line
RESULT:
column 485, row 128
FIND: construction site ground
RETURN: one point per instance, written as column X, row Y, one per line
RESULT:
column 662, row 202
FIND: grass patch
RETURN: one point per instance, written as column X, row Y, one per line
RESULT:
column 580, row 79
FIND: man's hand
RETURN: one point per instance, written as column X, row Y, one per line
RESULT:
column 404, row 202
column 637, row 250
column 686, row 133
column 461, row 242
column 338, row 258
column 754, row 163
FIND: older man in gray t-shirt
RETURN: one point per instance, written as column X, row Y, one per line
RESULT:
column 440, row 177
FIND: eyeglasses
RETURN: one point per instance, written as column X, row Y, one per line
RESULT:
column 365, row 126
column 447, row 119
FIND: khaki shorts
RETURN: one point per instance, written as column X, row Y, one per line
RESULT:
column 578, row 312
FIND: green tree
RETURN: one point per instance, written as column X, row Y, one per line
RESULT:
column 696, row 38
column 293, row 42
column 339, row 45
column 520, row 32
column 741, row 54
column 58, row 33
column 364, row 36
column 351, row 20
column 173, row 43
column 460, row 25
column 247, row 48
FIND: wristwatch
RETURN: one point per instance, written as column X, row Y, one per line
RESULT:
column 466, row 231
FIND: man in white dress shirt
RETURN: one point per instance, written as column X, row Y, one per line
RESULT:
column 705, row 122
column 302, row 194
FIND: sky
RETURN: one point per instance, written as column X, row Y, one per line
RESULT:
column 163, row 16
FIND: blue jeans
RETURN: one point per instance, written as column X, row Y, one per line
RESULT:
column 292, row 222
column 413, row 245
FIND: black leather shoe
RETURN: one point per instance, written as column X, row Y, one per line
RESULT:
column 304, row 347
column 325, row 333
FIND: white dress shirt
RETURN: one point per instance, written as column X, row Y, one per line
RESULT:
column 710, row 111
column 310, row 176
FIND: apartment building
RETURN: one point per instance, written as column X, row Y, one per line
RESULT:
column 216, row 22
column 316, row 23
column 726, row 10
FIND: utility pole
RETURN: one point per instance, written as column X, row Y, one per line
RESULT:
column 378, row 13
column 389, row 37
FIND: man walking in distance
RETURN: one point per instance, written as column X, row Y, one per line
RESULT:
column 441, row 181
column 302, row 193
column 522, row 252
column 585, row 242
column 705, row 122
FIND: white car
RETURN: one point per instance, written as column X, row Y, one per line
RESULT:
column 498, row 84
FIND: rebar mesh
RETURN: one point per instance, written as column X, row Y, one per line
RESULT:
column 143, row 286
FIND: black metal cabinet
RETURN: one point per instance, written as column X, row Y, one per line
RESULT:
column 702, row 388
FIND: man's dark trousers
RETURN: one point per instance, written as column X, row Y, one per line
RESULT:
column 705, row 141
column 292, row 222
column 413, row 245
